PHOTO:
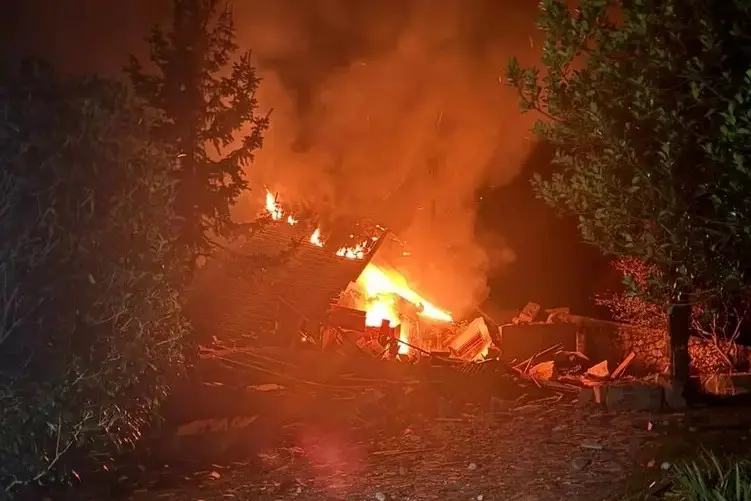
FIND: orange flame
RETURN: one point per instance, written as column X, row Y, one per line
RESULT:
column 381, row 288
column 355, row 252
column 315, row 238
column 273, row 207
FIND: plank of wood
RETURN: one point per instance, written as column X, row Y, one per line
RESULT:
column 618, row 372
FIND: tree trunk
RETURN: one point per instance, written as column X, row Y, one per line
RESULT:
column 679, row 323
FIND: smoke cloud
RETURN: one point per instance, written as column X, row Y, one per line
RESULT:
column 387, row 110
column 393, row 112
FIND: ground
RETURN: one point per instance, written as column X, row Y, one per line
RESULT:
column 408, row 436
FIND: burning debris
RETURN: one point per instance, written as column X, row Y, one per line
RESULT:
column 391, row 307
column 380, row 314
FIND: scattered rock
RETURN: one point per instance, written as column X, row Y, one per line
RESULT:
column 380, row 496
column 472, row 466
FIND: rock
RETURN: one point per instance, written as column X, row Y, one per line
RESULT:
column 634, row 398
column 543, row 371
column 380, row 496
column 599, row 371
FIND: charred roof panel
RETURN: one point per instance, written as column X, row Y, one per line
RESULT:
column 229, row 303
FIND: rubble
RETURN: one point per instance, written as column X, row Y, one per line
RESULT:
column 599, row 371
column 621, row 369
column 471, row 343
column 528, row 313
column 544, row 371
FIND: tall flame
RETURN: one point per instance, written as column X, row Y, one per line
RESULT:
column 273, row 207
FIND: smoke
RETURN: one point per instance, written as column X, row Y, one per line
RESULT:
column 389, row 110
column 393, row 112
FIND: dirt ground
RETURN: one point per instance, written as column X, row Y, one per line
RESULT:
column 403, row 437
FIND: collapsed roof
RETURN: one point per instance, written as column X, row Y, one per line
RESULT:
column 275, row 280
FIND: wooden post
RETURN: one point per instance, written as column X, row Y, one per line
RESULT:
column 679, row 329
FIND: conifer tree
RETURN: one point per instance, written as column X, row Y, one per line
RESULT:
column 206, row 94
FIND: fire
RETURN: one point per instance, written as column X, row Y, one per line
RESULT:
column 315, row 238
column 381, row 288
column 273, row 207
column 356, row 252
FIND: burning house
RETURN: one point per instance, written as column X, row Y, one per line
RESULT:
column 298, row 289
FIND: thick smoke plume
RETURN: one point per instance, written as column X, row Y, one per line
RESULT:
column 390, row 110
column 393, row 112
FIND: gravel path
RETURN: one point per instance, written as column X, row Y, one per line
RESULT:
column 546, row 453
column 411, row 440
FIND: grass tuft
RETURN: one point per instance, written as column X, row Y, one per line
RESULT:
column 709, row 478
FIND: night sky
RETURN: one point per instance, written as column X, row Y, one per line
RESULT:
column 551, row 267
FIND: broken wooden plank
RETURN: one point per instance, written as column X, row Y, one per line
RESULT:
column 621, row 369
column 599, row 370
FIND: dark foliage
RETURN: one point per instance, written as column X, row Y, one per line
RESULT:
column 91, row 329
column 648, row 104
column 206, row 102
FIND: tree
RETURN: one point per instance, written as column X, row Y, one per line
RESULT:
column 648, row 105
column 629, row 308
column 205, row 100
column 91, row 333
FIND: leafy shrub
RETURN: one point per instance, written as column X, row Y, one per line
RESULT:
column 91, row 330
column 713, row 347
column 712, row 479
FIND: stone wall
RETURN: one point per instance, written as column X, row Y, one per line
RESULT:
column 613, row 342
column 650, row 346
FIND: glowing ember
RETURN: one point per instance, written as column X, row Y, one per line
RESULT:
column 381, row 288
column 291, row 220
column 315, row 238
